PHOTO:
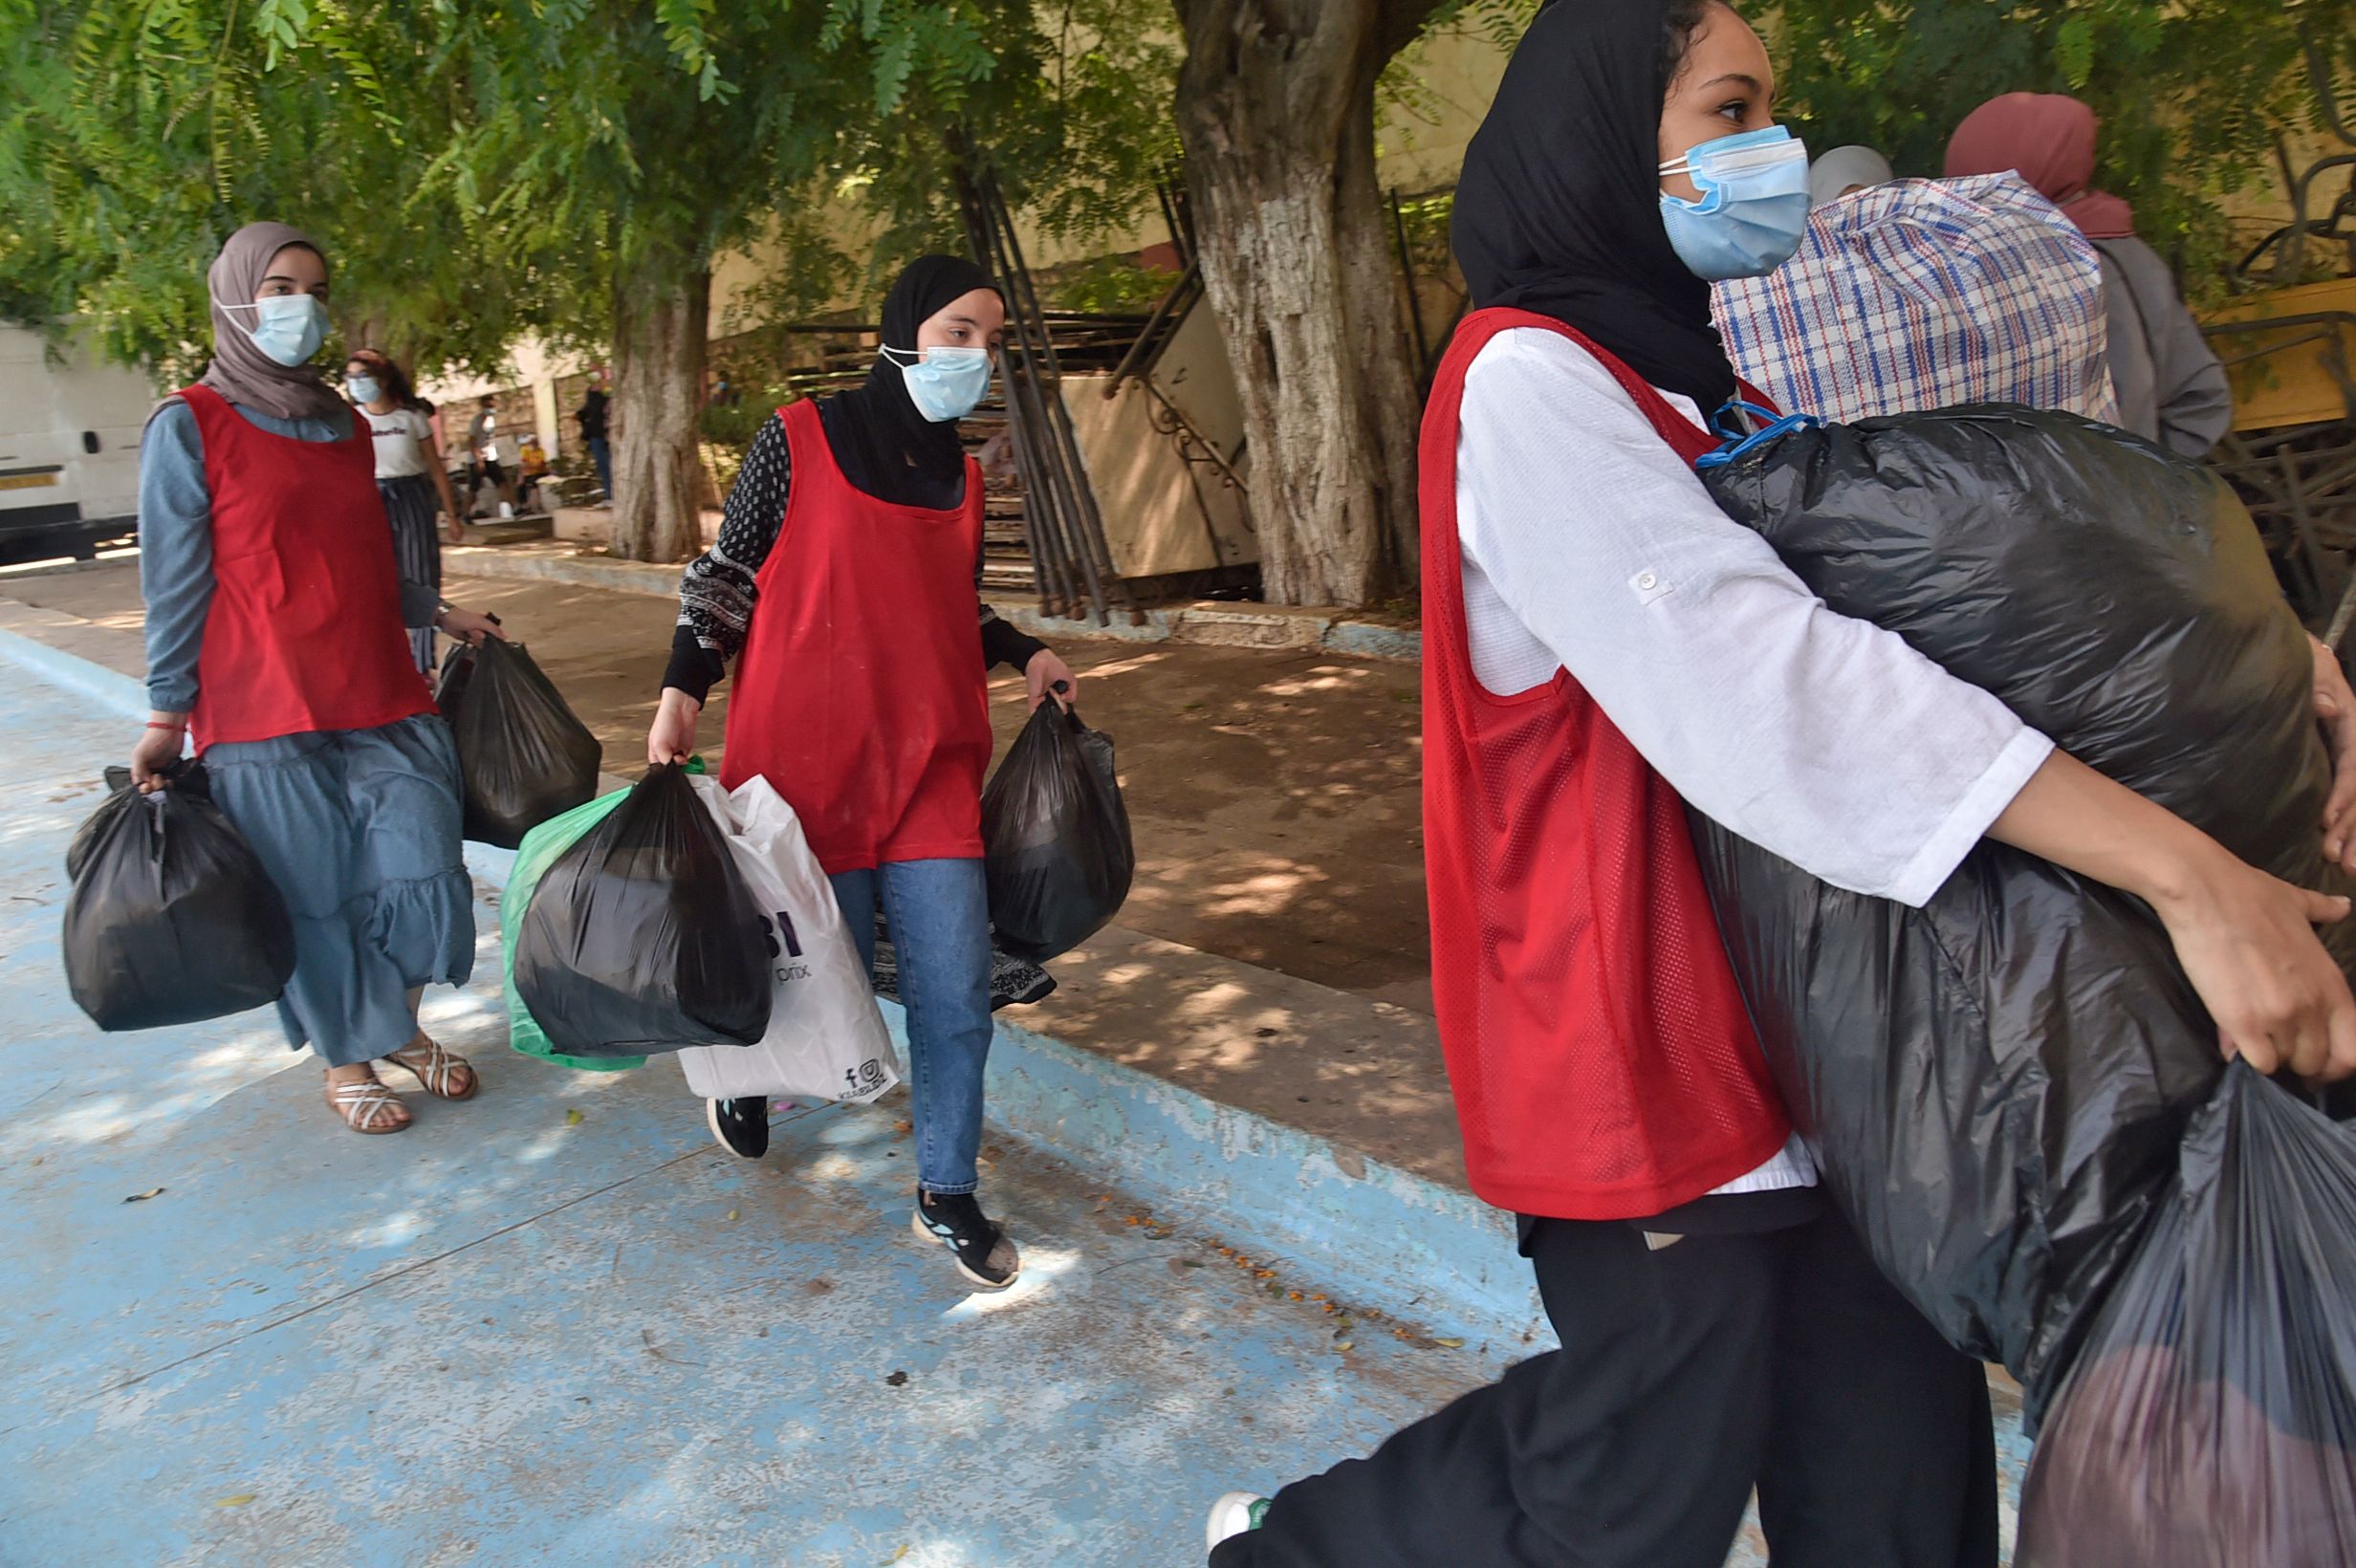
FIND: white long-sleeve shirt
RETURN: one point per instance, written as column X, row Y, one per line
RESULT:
column 1589, row 545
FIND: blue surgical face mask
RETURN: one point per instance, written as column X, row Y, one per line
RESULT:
column 945, row 383
column 361, row 389
column 1754, row 208
column 288, row 328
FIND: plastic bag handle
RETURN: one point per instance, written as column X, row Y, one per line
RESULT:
column 1739, row 448
column 1723, row 422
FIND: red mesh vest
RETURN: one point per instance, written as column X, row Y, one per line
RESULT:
column 1603, row 1062
column 304, row 632
column 861, row 694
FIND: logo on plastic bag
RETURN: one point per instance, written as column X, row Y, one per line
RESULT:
column 778, row 931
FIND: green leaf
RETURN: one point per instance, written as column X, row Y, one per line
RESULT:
column 2073, row 50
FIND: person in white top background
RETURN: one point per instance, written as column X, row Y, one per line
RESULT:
column 412, row 476
column 1595, row 621
column 483, row 450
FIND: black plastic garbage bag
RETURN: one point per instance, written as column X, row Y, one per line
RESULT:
column 2210, row 1419
column 523, row 754
column 1056, row 836
column 449, row 694
column 642, row 937
column 172, row 918
column 1997, row 1083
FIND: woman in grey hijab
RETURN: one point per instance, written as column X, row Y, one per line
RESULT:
column 275, row 641
column 1845, row 169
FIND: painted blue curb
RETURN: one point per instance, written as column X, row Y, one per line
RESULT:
column 72, row 672
column 1156, row 626
column 1324, row 1216
column 1367, row 1234
column 1368, row 641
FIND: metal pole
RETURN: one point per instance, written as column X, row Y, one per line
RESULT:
column 1061, row 449
column 1096, row 554
column 1049, row 568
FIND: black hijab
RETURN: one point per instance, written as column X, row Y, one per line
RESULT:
column 1558, row 210
column 883, row 445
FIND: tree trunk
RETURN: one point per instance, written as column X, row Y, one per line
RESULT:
column 660, row 312
column 1276, row 108
column 370, row 329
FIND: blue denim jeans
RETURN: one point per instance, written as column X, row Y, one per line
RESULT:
column 939, row 912
column 602, row 454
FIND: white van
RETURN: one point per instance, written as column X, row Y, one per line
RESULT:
column 69, row 446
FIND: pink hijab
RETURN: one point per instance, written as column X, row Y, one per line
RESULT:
column 2048, row 139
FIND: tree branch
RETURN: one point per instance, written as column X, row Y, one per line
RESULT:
column 1398, row 22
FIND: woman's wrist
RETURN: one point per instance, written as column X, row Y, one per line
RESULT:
column 687, row 697
column 159, row 718
column 2181, row 871
column 2078, row 819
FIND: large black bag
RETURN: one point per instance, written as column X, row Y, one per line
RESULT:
column 2210, row 1421
column 1056, row 836
column 523, row 756
column 172, row 918
column 642, row 937
column 1997, row 1083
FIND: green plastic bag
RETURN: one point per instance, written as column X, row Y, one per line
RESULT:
column 542, row 847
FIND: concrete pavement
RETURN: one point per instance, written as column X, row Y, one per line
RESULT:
column 509, row 1335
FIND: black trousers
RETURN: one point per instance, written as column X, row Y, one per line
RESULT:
column 1687, row 1374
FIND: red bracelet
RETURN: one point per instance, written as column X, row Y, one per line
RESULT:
column 154, row 725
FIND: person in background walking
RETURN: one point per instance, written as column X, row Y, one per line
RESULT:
column 410, row 476
column 483, row 447
column 590, row 416
column 1602, row 647
column 844, row 577
column 2171, row 387
column 274, row 640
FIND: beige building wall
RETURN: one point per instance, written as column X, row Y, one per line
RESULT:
column 1420, row 139
column 1162, row 514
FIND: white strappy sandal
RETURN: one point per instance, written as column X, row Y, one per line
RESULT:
column 367, row 1106
column 437, row 1071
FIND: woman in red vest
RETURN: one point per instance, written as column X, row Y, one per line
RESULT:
column 844, row 575
column 1602, row 645
column 275, row 641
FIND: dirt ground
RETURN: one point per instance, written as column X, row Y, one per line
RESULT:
column 1274, row 796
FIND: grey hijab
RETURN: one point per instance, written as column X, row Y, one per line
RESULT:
column 1835, row 171
column 241, row 372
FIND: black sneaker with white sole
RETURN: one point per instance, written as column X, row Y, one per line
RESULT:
column 741, row 1126
column 984, row 1253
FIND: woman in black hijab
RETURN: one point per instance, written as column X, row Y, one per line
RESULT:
column 1602, row 647
column 844, row 577
column 1557, row 209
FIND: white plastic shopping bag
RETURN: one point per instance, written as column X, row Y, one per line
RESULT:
column 825, row 1040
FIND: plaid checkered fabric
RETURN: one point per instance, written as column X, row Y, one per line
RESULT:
column 1924, row 294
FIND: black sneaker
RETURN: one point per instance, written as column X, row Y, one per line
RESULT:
column 983, row 1253
column 740, row 1126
